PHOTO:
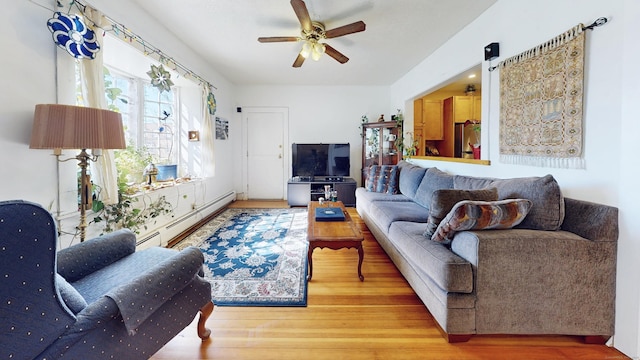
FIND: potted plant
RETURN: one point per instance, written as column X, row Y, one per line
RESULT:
column 475, row 147
column 125, row 213
column 411, row 149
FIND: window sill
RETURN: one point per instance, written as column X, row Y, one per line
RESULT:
column 450, row 159
column 144, row 188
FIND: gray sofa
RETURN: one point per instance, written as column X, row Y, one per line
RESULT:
column 554, row 273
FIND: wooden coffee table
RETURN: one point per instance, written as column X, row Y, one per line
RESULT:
column 334, row 235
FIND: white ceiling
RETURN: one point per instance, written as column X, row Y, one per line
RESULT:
column 398, row 36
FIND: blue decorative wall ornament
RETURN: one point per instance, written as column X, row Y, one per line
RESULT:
column 211, row 103
column 160, row 78
column 70, row 33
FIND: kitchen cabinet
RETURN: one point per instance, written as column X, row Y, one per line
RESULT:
column 465, row 108
column 379, row 144
column 457, row 110
column 428, row 125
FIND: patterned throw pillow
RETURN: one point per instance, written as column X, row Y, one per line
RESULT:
column 443, row 200
column 481, row 215
column 382, row 179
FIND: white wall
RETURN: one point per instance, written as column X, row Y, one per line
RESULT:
column 628, row 296
column 610, row 113
column 29, row 79
column 327, row 114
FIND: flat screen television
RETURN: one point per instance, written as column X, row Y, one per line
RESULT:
column 310, row 160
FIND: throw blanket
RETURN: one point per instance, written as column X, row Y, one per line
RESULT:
column 541, row 104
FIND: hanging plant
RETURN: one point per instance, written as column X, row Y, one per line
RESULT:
column 211, row 103
column 160, row 78
column 70, row 33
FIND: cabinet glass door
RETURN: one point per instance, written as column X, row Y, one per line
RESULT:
column 372, row 146
column 389, row 151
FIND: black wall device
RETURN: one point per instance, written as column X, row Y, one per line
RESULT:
column 239, row 109
column 491, row 51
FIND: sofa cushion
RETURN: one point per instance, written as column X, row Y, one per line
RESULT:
column 481, row 215
column 382, row 179
column 365, row 198
column 75, row 302
column 386, row 212
column 410, row 178
column 547, row 211
column 448, row 270
column 375, row 196
column 443, row 200
column 434, row 179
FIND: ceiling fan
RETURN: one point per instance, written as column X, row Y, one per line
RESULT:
column 312, row 33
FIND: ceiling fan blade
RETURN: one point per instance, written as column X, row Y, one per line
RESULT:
column 346, row 29
column 302, row 13
column 299, row 61
column 277, row 39
column 329, row 50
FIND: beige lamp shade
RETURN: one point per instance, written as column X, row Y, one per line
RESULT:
column 76, row 127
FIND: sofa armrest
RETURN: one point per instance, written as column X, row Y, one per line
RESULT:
column 544, row 282
column 592, row 221
column 141, row 297
column 82, row 259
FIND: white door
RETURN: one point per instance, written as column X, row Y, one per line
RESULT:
column 266, row 152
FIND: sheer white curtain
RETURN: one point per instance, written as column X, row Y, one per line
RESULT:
column 103, row 172
column 208, row 134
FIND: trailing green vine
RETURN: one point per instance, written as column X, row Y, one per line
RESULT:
column 125, row 213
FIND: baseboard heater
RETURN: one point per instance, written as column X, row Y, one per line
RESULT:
column 217, row 203
column 149, row 237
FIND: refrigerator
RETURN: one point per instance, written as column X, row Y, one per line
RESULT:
column 464, row 136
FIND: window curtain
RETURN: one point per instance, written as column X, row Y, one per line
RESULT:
column 208, row 133
column 103, row 171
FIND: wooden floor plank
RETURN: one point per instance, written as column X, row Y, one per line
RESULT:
column 380, row 318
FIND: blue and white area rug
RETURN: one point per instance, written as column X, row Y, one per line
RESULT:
column 255, row 257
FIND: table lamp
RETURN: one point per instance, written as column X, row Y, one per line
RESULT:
column 60, row 127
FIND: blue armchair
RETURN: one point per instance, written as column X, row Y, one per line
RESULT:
column 99, row 299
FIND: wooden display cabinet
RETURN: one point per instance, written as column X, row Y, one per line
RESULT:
column 379, row 141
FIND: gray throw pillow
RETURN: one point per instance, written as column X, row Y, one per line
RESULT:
column 443, row 200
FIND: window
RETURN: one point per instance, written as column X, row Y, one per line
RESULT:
column 156, row 122
column 158, row 126
column 148, row 116
column 155, row 129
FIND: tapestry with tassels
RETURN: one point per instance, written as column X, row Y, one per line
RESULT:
column 541, row 93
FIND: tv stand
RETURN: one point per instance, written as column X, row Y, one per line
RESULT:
column 302, row 190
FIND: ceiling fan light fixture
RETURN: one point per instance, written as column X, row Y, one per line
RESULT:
column 312, row 33
column 318, row 50
column 307, row 48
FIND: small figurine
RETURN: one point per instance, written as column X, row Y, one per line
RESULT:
column 381, row 118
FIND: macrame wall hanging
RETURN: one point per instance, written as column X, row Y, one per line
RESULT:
column 541, row 94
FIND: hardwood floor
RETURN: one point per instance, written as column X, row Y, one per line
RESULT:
column 380, row 318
